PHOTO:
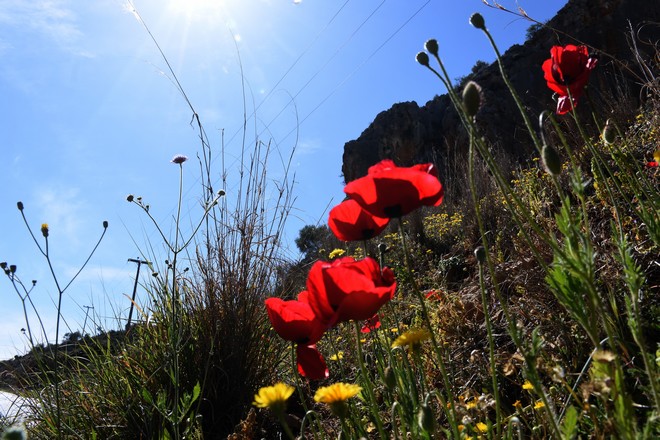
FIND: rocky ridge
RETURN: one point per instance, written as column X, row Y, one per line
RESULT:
column 409, row 133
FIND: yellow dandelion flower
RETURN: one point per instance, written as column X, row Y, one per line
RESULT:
column 517, row 404
column 394, row 330
column 539, row 404
column 336, row 253
column 472, row 404
column 274, row 397
column 336, row 396
column 656, row 155
column 481, row 427
column 337, row 392
column 337, row 356
column 411, row 337
column 527, row 385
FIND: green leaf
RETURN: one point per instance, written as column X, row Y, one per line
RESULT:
column 146, row 395
column 569, row 426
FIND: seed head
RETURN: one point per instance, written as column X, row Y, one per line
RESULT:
column 105, row 224
column 12, row 268
column 130, row 198
column 432, row 46
column 477, row 20
column 423, row 59
column 19, row 205
column 179, row 159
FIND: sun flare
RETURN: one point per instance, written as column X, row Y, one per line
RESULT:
column 195, row 8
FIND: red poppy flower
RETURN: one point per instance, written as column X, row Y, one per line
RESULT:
column 567, row 72
column 346, row 289
column 310, row 362
column 434, row 294
column 652, row 164
column 350, row 222
column 372, row 324
column 391, row 191
column 294, row 320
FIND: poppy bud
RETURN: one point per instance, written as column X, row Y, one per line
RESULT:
column 16, row 432
column 221, row 193
column 425, row 418
column 480, row 254
column 432, row 46
column 3, row 265
column 105, row 224
column 471, row 98
column 12, row 268
column 44, row 229
column 551, row 160
column 129, row 198
column 19, row 205
column 608, row 133
column 389, row 378
column 477, row 20
column 423, row 59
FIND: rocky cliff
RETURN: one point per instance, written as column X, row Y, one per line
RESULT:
column 408, row 133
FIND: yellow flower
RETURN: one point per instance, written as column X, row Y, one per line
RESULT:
column 336, row 395
column 517, row 404
column 274, row 397
column 472, row 404
column 44, row 229
column 481, row 427
column 337, row 356
column 336, row 253
column 539, row 404
column 527, row 385
column 411, row 337
column 337, row 392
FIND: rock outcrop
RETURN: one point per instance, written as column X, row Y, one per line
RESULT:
column 408, row 133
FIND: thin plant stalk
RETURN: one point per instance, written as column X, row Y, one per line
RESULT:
column 368, row 385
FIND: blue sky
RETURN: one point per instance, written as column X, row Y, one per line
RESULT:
column 90, row 114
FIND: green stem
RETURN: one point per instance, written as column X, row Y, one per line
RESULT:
column 285, row 425
column 451, row 416
column 368, row 386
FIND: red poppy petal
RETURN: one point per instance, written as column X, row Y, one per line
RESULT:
column 371, row 324
column 350, row 222
column 294, row 320
column 564, row 105
column 362, row 305
column 310, row 363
